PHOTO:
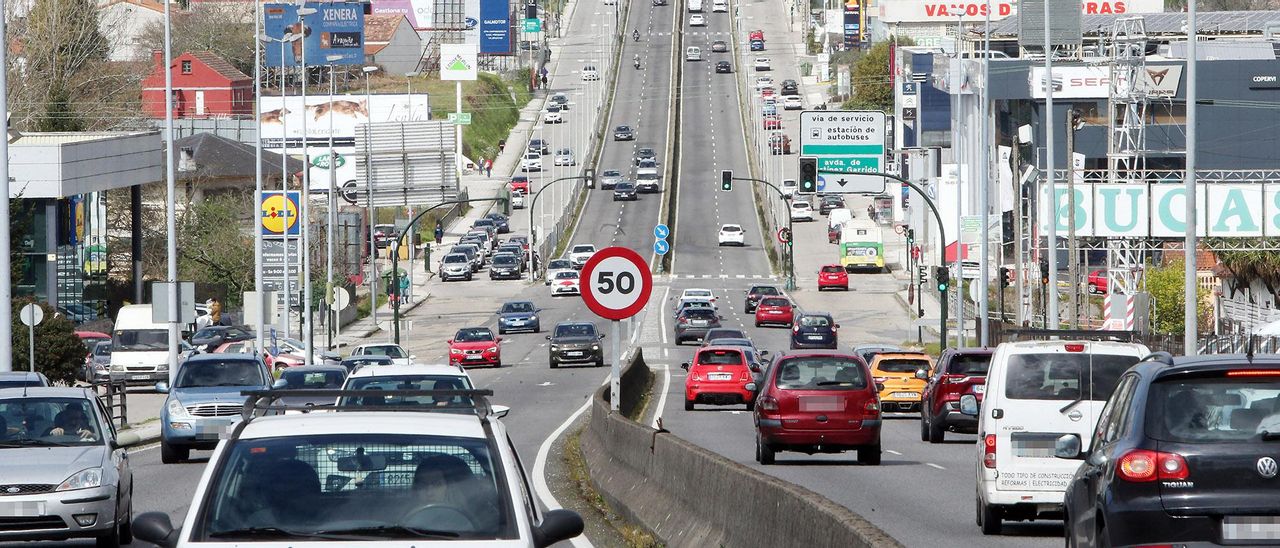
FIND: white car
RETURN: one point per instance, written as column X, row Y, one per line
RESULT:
column 792, row 102
column 693, row 53
column 552, row 115
column 564, row 157
column 532, row 161
column 647, row 166
column 565, row 283
column 801, row 211
column 397, row 353
column 1037, row 393
column 697, row 20
column 764, row 82
column 720, row 6
column 580, row 254
column 697, row 293
column 590, row 74
column 789, row 187
column 557, row 266
column 452, row 451
column 732, row 235
column 417, row 377
column 648, row 182
column 762, row 63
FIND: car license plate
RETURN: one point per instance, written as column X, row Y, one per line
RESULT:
column 141, row 377
column 22, row 509
column 475, row 357
column 905, row 395
column 979, row 389
column 697, row 323
column 575, row 354
column 1251, row 528
column 815, row 337
column 719, row 376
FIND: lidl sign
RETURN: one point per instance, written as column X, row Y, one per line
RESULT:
column 1158, row 210
column 278, row 213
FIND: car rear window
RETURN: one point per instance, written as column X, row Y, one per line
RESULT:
column 902, row 365
column 1060, row 376
column 720, row 357
column 699, row 313
column 820, row 373
column 765, row 290
column 815, row 321
column 833, row 269
column 1213, row 409
column 969, row 365
column 775, row 302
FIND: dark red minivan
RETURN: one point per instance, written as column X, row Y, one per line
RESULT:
column 818, row 402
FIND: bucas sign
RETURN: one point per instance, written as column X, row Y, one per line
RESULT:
column 1158, row 210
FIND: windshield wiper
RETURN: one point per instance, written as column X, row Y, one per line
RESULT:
column 30, row 442
column 833, row 383
column 271, row 532
column 1072, row 404
column 390, row 531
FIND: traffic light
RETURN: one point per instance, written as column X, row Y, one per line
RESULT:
column 808, row 175
column 1044, row 271
column 1006, row 277
column 943, row 277
column 726, row 180
column 911, row 236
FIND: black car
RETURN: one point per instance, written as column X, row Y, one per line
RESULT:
column 561, row 100
column 1184, row 454
column 518, row 316
column 814, row 330
column 504, row 266
column 210, row 338
column 356, row 362
column 789, row 87
column 868, row 351
column 694, row 323
column 643, row 154
column 713, row 336
column 575, row 342
column 758, row 292
column 487, row 224
column 624, row 133
column 659, row 2
column 501, row 221
column 829, row 203
column 724, row 67
column 625, row 190
column 540, row 146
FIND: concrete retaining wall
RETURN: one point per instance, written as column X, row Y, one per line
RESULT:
column 688, row 496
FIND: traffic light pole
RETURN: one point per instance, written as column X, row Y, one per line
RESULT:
column 791, row 235
column 533, row 234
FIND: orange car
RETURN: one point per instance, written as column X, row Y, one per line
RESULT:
column 897, row 372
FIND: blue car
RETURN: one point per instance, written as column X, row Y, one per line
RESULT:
column 518, row 316
column 205, row 402
column 814, row 330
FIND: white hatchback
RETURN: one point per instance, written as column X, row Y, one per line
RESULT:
column 762, row 63
column 801, row 211
column 590, row 74
column 697, row 20
column 732, row 235
column 789, row 188
column 565, row 283
column 792, row 102
column 531, row 162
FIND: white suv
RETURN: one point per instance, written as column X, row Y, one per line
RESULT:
column 580, row 254
column 401, row 477
column 1036, row 392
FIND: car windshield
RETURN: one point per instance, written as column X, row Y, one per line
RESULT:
column 517, row 308
column 21, row 383
column 699, row 313
column 626, row 186
column 358, row 487
column 351, row 363
column 799, row 205
column 584, row 249
column 295, row 379
column 558, row 264
column 731, row 228
column 567, row 275
column 611, row 173
column 474, row 334
column 455, row 259
column 969, row 365
column 719, row 357
column 1211, row 410
column 205, row 373
column 820, row 373
column 775, row 302
column 411, row 382
column 388, row 350
column 141, row 340
column 716, row 334
column 764, row 290
column 102, row 349
column 33, row 421
column 1062, row 376
column 575, row 330
column 506, row 260
column 815, row 321
column 902, row 365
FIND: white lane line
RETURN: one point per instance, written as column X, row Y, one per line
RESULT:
column 892, row 452
column 662, row 318
column 934, row 465
column 540, row 468
column 662, row 397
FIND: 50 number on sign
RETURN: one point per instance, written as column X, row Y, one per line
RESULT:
column 618, row 283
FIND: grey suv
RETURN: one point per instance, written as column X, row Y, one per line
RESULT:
column 575, row 342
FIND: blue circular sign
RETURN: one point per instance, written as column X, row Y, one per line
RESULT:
column 661, row 247
column 661, row 232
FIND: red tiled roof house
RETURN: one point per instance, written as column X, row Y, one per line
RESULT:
column 204, row 86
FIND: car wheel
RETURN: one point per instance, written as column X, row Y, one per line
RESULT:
column 126, row 526
column 600, row 363
column 688, row 405
column 869, row 455
column 110, row 539
column 936, row 433
column 924, row 428
column 554, row 364
column 497, row 364
column 757, row 324
column 170, row 454
column 764, row 453
column 989, row 518
column 502, row 331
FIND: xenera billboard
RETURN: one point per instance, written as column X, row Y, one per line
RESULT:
column 495, row 26
column 336, row 29
column 1158, row 210
column 939, row 11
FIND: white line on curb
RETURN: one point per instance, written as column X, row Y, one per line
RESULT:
column 540, row 467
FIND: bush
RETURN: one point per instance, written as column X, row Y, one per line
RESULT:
column 59, row 352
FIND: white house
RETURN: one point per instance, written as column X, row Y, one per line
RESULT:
column 123, row 23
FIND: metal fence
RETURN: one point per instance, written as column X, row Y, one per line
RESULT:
column 1213, row 344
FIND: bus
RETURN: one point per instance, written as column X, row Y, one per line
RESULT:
column 862, row 246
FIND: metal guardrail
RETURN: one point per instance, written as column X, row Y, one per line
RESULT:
column 115, row 396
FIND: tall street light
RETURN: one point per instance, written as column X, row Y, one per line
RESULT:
column 331, row 218
column 368, row 186
column 257, row 178
column 309, row 341
column 288, row 38
column 6, row 287
column 171, row 220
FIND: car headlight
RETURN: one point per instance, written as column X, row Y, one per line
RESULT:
column 533, row 318
column 492, row 349
column 176, row 410
column 555, row 348
column 84, row 479
column 595, row 347
column 455, row 350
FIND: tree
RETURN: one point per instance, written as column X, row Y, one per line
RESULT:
column 60, row 42
column 872, row 89
column 59, row 352
column 224, row 28
column 1165, row 283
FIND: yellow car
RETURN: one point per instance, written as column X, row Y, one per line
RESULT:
column 897, row 372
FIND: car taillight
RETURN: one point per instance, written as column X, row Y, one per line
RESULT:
column 872, row 406
column 989, row 451
column 767, row 404
column 881, row 379
column 1073, row 347
column 949, row 379
column 1142, row 465
column 795, row 329
column 696, row 376
column 1254, row 373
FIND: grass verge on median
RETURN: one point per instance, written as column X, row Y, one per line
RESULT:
column 632, row 535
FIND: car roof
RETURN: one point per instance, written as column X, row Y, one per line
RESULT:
column 364, row 422
column 415, row 369
column 315, row 369
column 563, row 324
column 1031, row 347
column 379, row 345
column 220, row 356
column 46, row 392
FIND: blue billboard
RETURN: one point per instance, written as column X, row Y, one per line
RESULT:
column 336, row 29
column 495, row 26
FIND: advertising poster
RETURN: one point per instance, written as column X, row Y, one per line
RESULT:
column 335, row 29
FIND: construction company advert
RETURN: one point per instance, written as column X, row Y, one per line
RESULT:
column 947, row 11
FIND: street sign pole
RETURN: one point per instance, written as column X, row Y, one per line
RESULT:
column 615, row 369
column 31, row 315
column 616, row 285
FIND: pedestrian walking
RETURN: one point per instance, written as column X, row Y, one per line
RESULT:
column 502, row 145
column 488, row 167
column 439, row 232
column 544, row 79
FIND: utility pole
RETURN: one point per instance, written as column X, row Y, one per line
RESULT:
column 6, row 285
column 257, row 181
column 1051, row 240
column 1018, row 264
column 1190, row 299
column 1073, row 248
column 171, row 219
column 984, row 274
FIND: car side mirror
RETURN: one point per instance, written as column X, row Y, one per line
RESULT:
column 969, row 405
column 601, row 336
column 500, row 411
column 879, row 387
column 449, row 341
column 1067, row 446
column 556, row 526
column 836, row 326
column 922, row 374
column 280, row 384
column 684, row 366
column 155, row 527
column 162, row 387
column 413, row 356
column 126, row 438
column 764, row 353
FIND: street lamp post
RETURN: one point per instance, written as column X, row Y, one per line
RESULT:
column 171, row 220
column 368, row 186
column 257, row 178
column 284, row 170
column 305, row 206
column 331, row 217
column 533, row 235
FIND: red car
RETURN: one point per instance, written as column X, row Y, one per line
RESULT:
column 772, row 122
column 719, row 375
column 475, row 346
column 273, row 362
column 768, row 92
column 774, row 310
column 520, row 183
column 756, row 35
column 959, row 372
column 833, row 276
column 817, row 402
column 1098, row 282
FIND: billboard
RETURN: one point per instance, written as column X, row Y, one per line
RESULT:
column 282, row 119
column 495, row 26
column 336, row 29
column 930, row 11
column 852, row 24
column 420, row 13
column 1094, row 82
column 1158, row 210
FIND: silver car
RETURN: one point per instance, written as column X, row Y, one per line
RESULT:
column 66, row 474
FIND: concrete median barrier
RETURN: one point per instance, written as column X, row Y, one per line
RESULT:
column 688, row 496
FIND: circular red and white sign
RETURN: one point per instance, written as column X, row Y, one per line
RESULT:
column 616, row 283
column 784, row 235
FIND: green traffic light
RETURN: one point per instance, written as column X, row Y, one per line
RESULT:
column 726, row 180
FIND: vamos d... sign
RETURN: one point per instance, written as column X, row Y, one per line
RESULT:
column 943, row 11
column 1158, row 210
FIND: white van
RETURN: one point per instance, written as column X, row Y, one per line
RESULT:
column 1036, row 392
column 139, row 346
column 836, row 218
column 695, row 6
column 693, row 53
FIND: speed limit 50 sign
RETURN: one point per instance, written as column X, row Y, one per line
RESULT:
column 616, row 283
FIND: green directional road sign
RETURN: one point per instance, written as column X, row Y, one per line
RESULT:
column 460, row 118
column 845, row 143
column 532, row 25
